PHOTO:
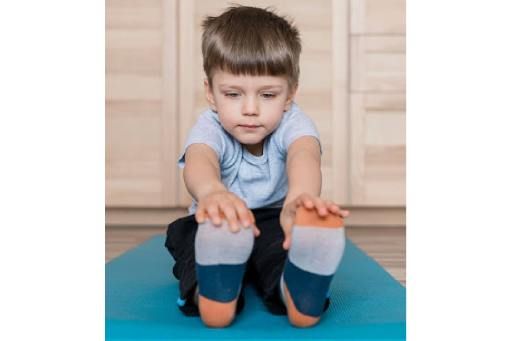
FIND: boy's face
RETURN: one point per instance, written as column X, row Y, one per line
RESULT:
column 249, row 107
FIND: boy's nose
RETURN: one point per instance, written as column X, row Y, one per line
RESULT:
column 250, row 107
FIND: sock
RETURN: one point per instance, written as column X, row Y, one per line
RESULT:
column 221, row 257
column 315, row 254
column 191, row 307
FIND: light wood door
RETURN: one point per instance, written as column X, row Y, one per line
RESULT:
column 352, row 84
column 377, row 102
column 141, row 139
column 323, row 81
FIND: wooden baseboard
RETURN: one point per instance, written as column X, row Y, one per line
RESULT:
column 142, row 216
column 376, row 216
column 360, row 216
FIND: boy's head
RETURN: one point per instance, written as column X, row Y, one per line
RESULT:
column 251, row 41
column 251, row 60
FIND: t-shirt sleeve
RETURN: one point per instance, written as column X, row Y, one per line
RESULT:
column 296, row 124
column 206, row 131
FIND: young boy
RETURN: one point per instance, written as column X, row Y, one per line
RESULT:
column 252, row 165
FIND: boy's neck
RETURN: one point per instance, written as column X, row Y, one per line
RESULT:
column 255, row 149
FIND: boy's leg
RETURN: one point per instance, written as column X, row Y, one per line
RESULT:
column 221, row 258
column 268, row 258
column 315, row 254
column 180, row 241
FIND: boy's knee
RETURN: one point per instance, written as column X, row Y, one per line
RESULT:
column 216, row 314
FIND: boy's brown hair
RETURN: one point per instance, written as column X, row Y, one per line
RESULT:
column 251, row 40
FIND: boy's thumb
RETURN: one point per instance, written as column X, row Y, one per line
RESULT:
column 287, row 223
column 287, row 238
column 286, row 243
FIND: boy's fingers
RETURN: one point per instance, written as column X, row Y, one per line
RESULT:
column 213, row 214
column 287, row 242
column 333, row 207
column 253, row 219
column 200, row 215
column 306, row 200
column 256, row 230
column 329, row 204
column 243, row 214
column 231, row 217
column 287, row 230
column 320, row 207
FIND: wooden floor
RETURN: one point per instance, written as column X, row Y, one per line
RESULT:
column 385, row 244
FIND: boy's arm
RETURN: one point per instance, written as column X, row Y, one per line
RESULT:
column 203, row 181
column 303, row 168
column 202, row 171
column 304, row 184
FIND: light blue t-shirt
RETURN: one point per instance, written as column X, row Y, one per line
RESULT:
column 261, row 181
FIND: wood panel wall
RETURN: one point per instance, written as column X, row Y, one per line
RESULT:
column 141, row 103
column 352, row 84
column 377, row 102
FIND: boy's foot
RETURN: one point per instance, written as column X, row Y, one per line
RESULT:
column 316, row 250
column 221, row 257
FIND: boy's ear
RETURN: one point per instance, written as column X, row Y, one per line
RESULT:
column 290, row 98
column 209, row 95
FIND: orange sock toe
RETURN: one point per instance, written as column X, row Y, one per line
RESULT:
column 216, row 314
column 310, row 217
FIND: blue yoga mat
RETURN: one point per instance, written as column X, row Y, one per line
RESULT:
column 366, row 303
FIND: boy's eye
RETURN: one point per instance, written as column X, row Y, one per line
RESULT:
column 231, row 94
column 268, row 95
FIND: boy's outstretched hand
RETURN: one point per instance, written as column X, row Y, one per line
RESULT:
column 220, row 204
column 323, row 207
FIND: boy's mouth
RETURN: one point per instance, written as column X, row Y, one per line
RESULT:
column 249, row 126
